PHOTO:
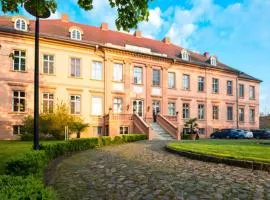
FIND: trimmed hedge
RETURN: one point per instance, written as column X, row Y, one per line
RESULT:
column 18, row 187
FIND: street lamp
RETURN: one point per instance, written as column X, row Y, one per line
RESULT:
column 38, row 9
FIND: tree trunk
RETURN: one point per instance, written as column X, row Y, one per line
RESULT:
column 78, row 134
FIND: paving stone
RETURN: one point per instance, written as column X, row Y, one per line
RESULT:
column 144, row 170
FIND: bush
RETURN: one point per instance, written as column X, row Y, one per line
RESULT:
column 17, row 187
column 185, row 137
column 118, row 140
column 32, row 163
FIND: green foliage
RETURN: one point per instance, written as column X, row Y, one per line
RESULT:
column 32, row 163
column 130, row 12
column 192, row 125
column 185, row 137
column 78, row 126
column 17, row 187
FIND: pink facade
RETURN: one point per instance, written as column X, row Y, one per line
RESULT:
column 105, row 82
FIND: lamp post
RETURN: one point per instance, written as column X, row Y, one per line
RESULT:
column 38, row 9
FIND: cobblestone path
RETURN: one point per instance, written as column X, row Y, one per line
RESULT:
column 144, row 170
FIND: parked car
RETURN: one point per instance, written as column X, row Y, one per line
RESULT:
column 227, row 134
column 247, row 134
column 261, row 134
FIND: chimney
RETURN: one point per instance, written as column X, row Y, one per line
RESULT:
column 64, row 17
column 104, row 26
column 206, row 54
column 167, row 40
column 138, row 34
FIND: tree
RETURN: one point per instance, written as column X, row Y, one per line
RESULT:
column 130, row 12
column 78, row 126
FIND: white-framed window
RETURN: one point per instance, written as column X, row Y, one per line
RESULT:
column 241, row 114
column 156, row 77
column 201, row 131
column 252, row 115
column 229, row 113
column 215, row 85
column 251, row 92
column 201, row 111
column 215, row 114
column 18, row 130
column 19, row 60
column 241, row 90
column 123, row 130
column 171, row 80
column 76, row 34
column 229, row 87
column 48, row 64
column 96, row 106
column 213, row 61
column 171, row 109
column 200, row 83
column 138, row 75
column 75, row 67
column 20, row 24
column 96, row 70
column 97, row 130
column 117, row 105
column 184, row 55
column 185, row 110
column 186, row 82
column 75, row 104
column 118, row 72
column 18, row 101
column 48, row 102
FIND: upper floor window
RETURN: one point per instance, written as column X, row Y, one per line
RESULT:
column 75, row 104
column 96, row 70
column 117, row 105
column 252, row 115
column 48, row 64
column 186, row 82
column 185, row 111
column 200, row 84
column 75, row 67
column 215, row 85
column 18, row 101
column 118, row 72
column 251, row 92
column 171, row 109
column 184, row 55
column 241, row 114
column 48, row 99
column 229, row 87
column 19, row 60
column 171, row 80
column 213, row 61
column 156, row 77
column 241, row 90
column 215, row 113
column 201, row 111
column 96, row 106
column 76, row 34
column 21, row 25
column 229, row 113
column 138, row 74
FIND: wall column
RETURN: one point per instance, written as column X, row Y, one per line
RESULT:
column 108, row 71
column 148, row 92
column 164, row 87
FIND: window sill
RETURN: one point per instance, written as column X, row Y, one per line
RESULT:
column 230, row 95
column 201, row 120
column 138, row 84
column 99, row 80
column 230, row 121
column 156, row 86
column 172, row 88
column 18, row 71
column 188, row 90
column 75, row 77
column 47, row 74
column 201, row 91
column 252, row 99
column 215, row 93
column 17, row 113
column 117, row 81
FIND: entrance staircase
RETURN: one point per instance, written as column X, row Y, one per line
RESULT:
column 159, row 133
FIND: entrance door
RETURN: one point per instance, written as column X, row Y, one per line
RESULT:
column 138, row 107
column 156, row 109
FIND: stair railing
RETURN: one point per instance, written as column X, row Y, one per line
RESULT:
column 171, row 128
column 141, row 126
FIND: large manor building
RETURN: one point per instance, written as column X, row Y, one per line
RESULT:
column 117, row 82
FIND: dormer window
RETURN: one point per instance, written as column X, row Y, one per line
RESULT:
column 76, row 34
column 213, row 61
column 184, row 55
column 20, row 24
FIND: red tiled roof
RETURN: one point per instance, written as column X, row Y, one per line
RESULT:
column 95, row 35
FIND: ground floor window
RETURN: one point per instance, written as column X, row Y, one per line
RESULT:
column 171, row 109
column 186, row 130
column 201, row 131
column 18, row 130
column 97, row 130
column 123, row 130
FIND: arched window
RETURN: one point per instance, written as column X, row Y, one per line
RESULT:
column 184, row 55
column 76, row 34
column 213, row 61
column 20, row 24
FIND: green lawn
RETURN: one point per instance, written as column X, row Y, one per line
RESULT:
column 10, row 149
column 254, row 150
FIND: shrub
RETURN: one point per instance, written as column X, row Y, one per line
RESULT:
column 17, row 187
column 106, row 140
column 118, row 140
column 32, row 163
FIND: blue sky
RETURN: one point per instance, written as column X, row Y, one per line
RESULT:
column 237, row 32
